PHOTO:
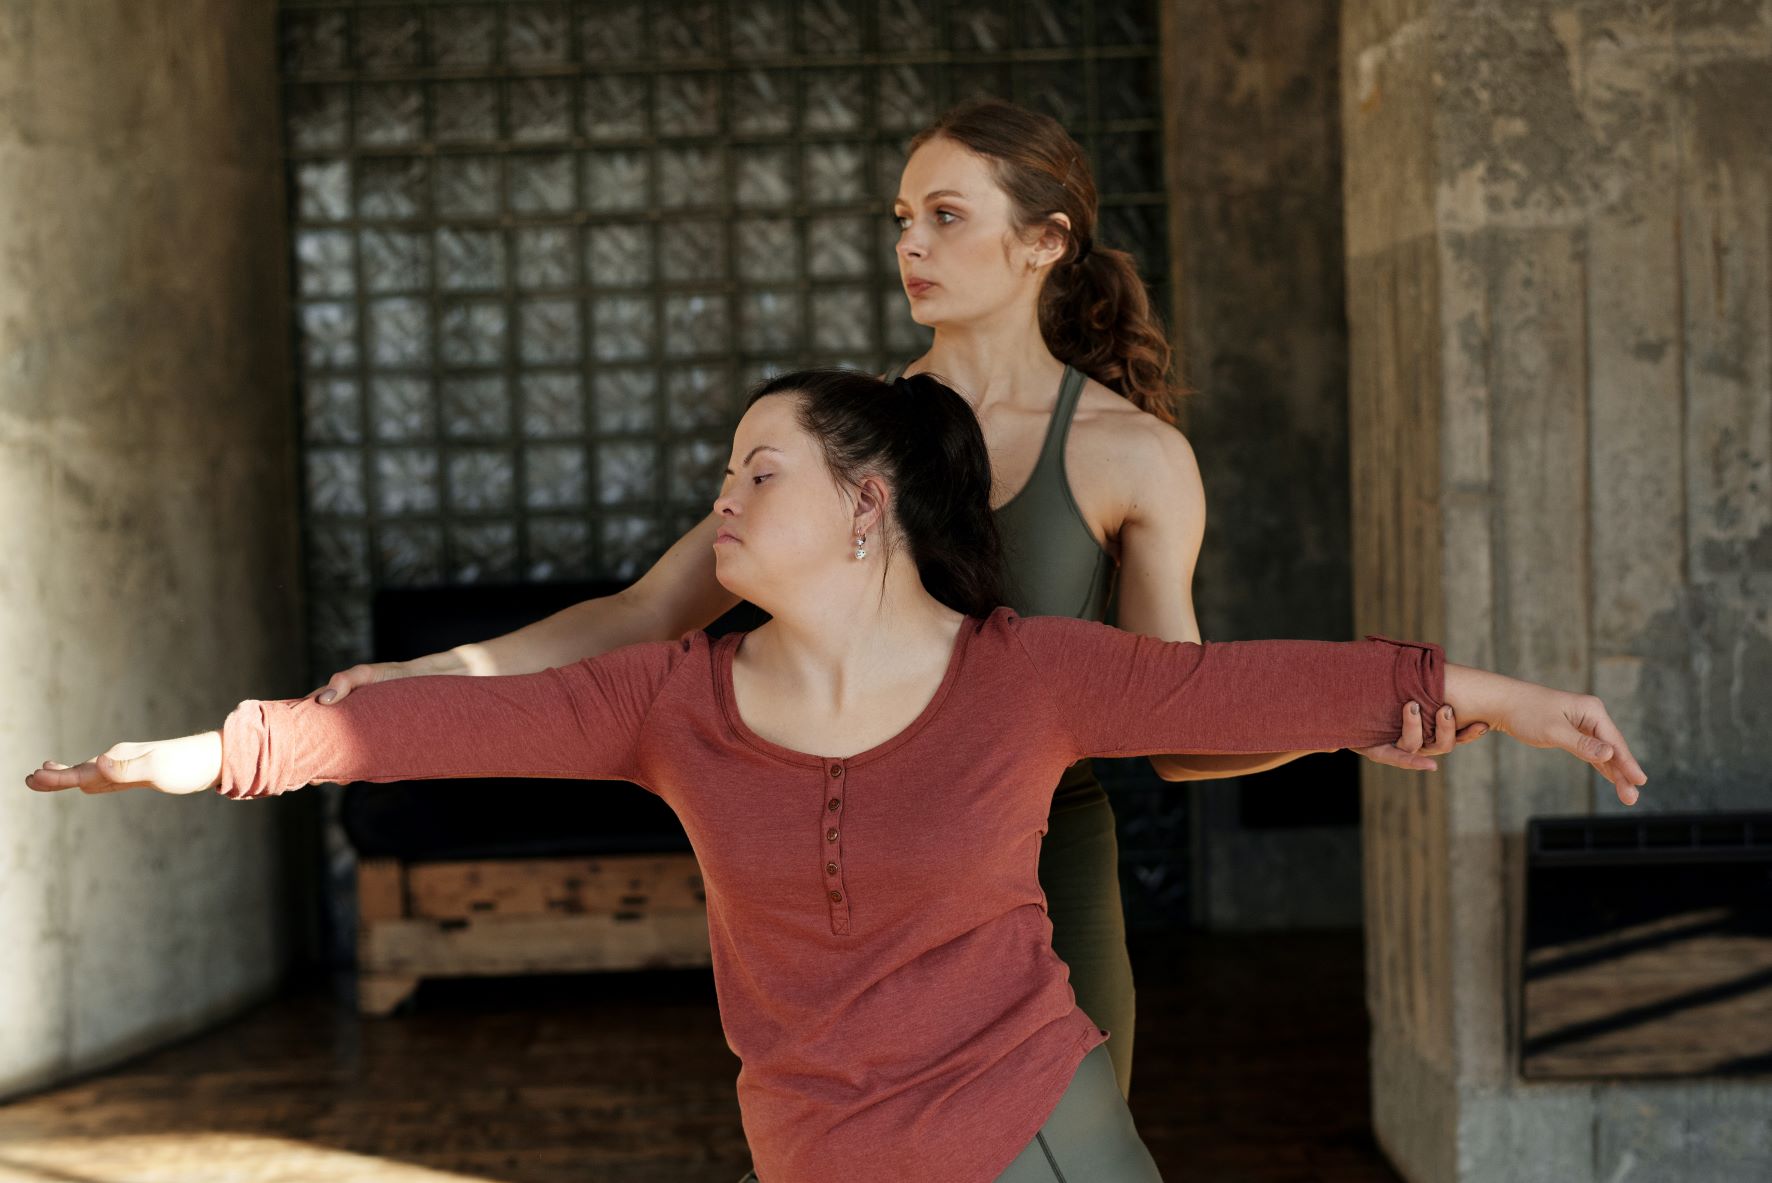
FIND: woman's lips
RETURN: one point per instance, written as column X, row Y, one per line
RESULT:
column 916, row 287
column 723, row 536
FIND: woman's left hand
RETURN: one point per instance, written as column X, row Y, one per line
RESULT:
column 187, row 765
column 1541, row 717
column 1409, row 752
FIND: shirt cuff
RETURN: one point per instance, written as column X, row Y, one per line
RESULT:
column 246, row 754
column 1420, row 674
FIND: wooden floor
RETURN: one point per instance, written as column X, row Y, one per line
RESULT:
column 1251, row 1068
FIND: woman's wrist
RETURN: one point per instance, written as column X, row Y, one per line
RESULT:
column 211, row 744
column 1479, row 696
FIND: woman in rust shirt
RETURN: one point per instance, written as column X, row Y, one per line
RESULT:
column 861, row 781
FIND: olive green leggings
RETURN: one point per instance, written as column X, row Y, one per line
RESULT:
column 1080, row 873
column 1088, row 1137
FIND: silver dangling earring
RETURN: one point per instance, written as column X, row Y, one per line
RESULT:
column 861, row 549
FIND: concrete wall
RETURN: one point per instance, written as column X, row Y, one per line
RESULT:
column 147, row 512
column 1253, row 163
column 1558, row 287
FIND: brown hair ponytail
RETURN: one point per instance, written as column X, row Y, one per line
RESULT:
column 1094, row 311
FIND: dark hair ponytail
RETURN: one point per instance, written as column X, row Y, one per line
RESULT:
column 1094, row 311
column 924, row 440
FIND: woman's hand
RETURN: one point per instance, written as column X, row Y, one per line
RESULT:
column 340, row 685
column 1408, row 752
column 188, row 765
column 1544, row 718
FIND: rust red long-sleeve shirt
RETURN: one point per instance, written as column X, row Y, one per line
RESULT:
column 880, row 942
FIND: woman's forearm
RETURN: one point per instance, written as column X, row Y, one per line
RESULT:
column 589, row 628
column 1185, row 766
column 579, row 721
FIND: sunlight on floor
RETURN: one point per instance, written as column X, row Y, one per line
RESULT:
column 200, row 1158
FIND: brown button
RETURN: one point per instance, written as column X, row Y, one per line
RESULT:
column 836, row 770
column 836, row 804
column 830, row 868
column 836, row 897
column 830, row 835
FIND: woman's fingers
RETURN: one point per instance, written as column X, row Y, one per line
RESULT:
column 1592, row 736
column 1406, row 752
column 53, row 777
column 46, row 779
column 1392, row 756
column 1621, row 768
column 1474, row 731
column 1410, row 740
column 87, row 776
column 339, row 686
column 1445, row 729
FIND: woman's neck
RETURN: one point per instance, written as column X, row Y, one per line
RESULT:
column 994, row 360
column 833, row 646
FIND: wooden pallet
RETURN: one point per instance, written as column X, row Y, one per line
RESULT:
column 419, row 920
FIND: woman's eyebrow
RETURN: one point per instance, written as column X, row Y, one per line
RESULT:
column 754, row 451
column 931, row 196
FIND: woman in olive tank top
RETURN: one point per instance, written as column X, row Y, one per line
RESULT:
column 1132, row 510
column 997, row 211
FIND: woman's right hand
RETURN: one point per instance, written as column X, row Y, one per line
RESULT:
column 339, row 686
column 191, row 764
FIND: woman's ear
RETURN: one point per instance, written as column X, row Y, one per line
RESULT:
column 870, row 506
column 1054, row 239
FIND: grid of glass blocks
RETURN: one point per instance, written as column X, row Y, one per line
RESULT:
column 540, row 249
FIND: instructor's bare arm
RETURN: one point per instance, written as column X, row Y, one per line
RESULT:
column 677, row 594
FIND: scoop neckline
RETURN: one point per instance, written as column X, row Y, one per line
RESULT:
column 727, row 647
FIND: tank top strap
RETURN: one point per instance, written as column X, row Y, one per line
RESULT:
column 1058, row 428
column 1070, row 392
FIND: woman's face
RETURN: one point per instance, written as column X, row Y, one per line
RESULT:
column 959, row 257
column 783, row 519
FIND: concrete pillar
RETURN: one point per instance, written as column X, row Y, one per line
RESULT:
column 1558, row 284
column 1253, row 162
column 148, row 545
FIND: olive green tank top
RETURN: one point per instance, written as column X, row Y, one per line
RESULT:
column 1052, row 565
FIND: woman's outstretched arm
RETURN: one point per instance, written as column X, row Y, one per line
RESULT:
column 1161, row 530
column 678, row 593
column 581, row 721
column 1122, row 694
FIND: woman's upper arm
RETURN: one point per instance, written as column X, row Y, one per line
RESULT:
column 1165, row 519
column 679, row 592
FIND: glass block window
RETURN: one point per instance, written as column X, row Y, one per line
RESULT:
column 540, row 249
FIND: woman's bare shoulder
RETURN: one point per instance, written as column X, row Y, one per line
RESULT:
column 1110, row 429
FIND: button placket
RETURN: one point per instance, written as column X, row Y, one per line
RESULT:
column 831, row 852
